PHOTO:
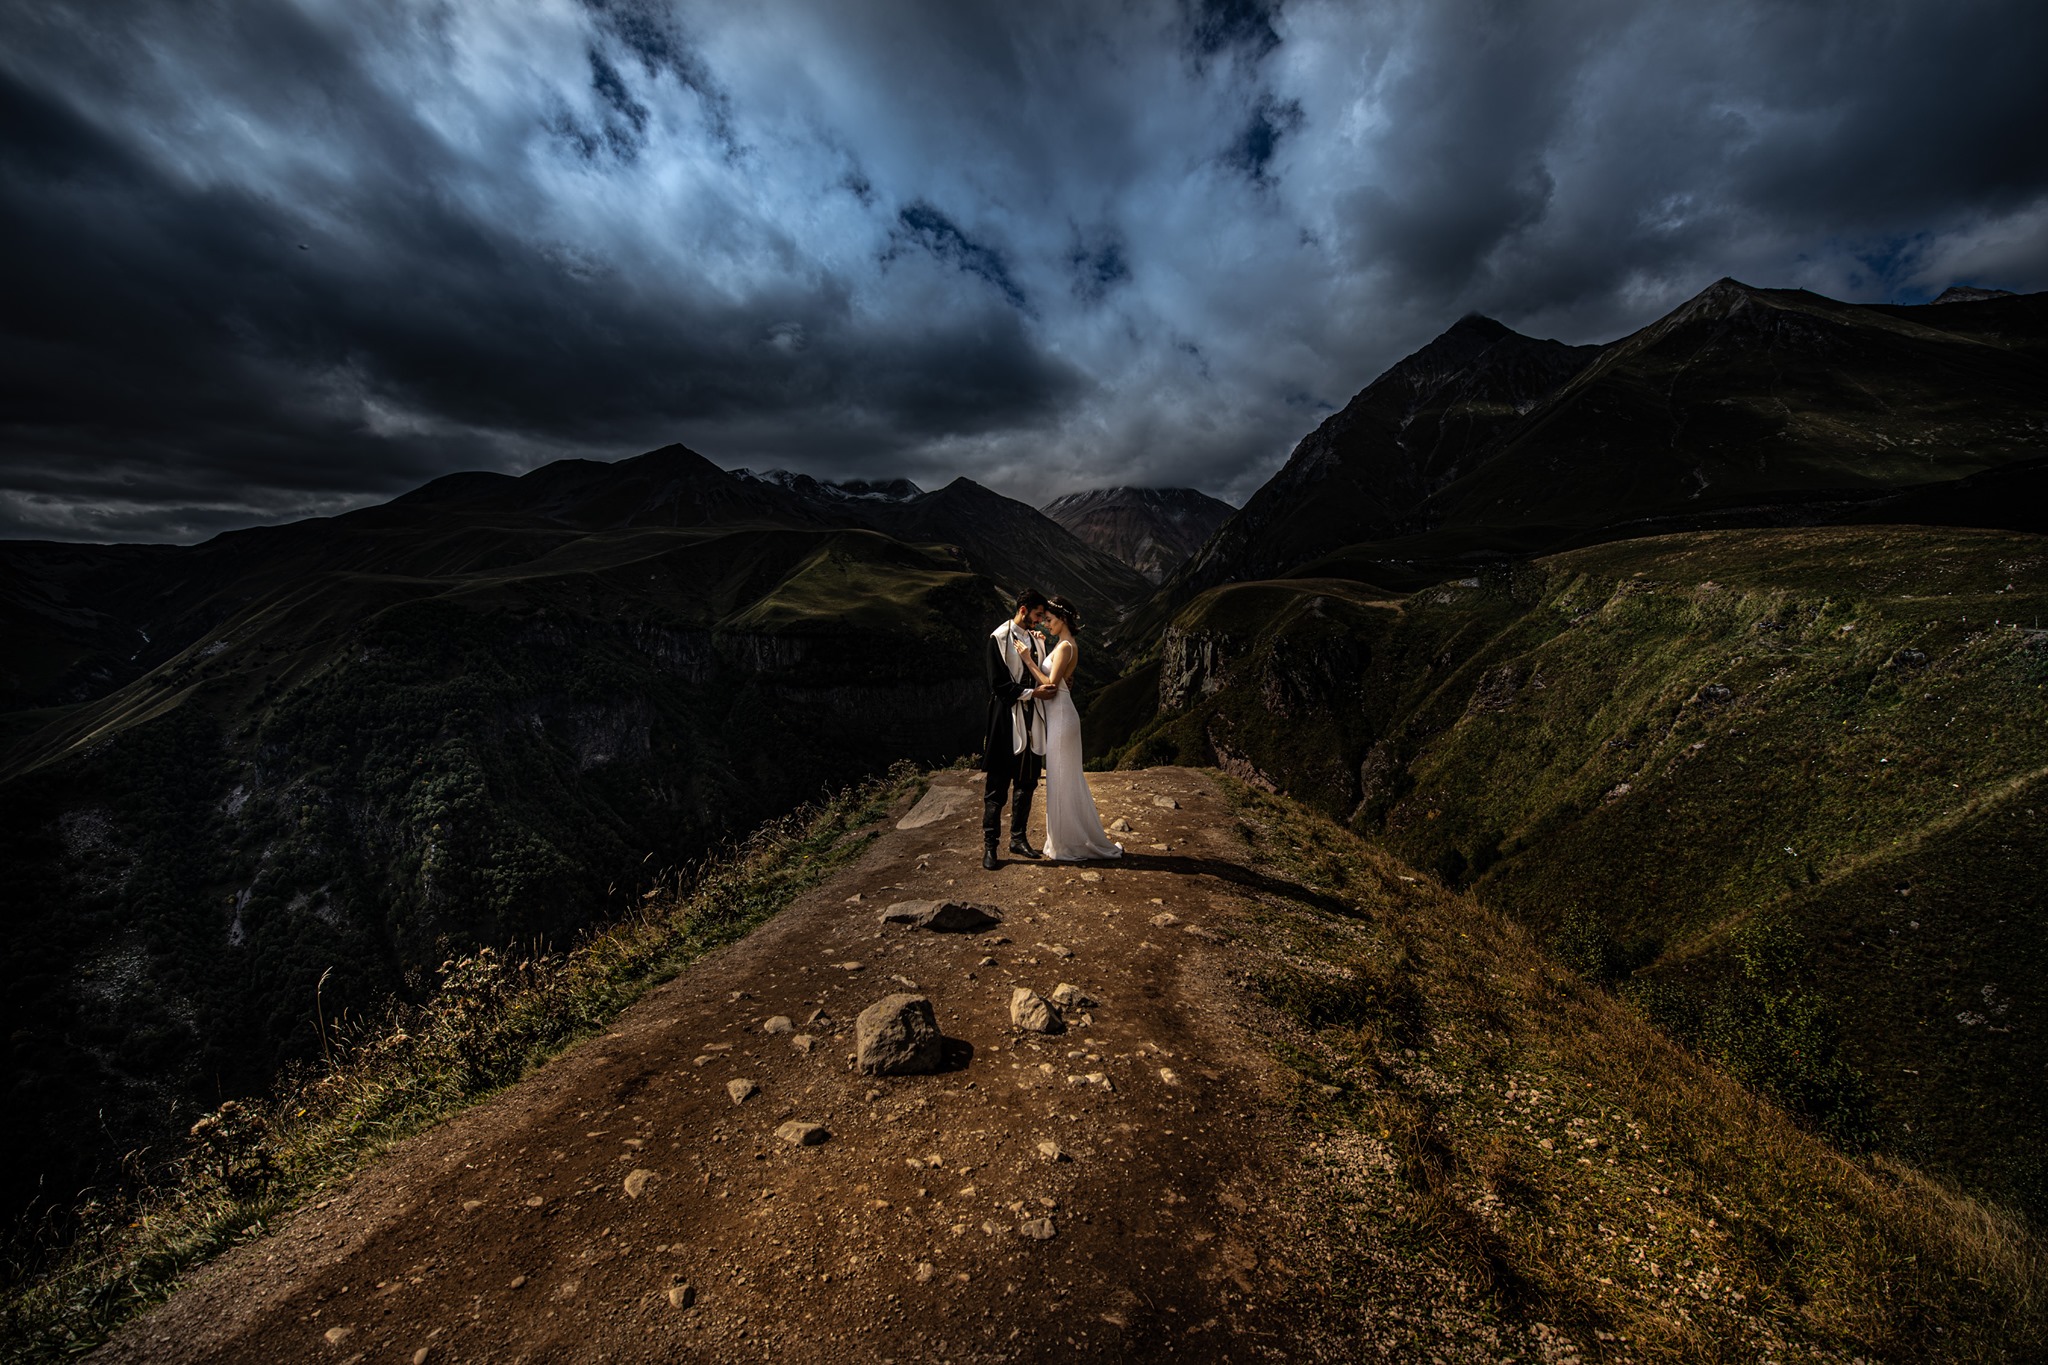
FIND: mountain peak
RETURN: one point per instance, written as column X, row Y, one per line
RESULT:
column 1153, row 530
column 1970, row 293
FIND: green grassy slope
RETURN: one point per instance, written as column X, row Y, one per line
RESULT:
column 1785, row 787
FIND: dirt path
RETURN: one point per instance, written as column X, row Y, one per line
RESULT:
column 619, row 1205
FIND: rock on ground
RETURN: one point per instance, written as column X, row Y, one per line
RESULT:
column 1031, row 1011
column 898, row 1035
column 944, row 917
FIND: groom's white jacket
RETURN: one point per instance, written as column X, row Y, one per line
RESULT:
column 1027, row 720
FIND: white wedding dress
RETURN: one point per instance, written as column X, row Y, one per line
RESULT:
column 1073, row 831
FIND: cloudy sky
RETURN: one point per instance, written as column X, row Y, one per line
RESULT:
column 262, row 259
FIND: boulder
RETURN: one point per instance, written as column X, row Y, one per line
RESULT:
column 1068, row 996
column 1033, row 1012
column 801, row 1134
column 944, row 917
column 898, row 1035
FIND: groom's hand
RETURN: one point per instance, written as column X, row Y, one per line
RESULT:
column 1045, row 693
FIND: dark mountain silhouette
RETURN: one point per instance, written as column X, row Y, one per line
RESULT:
column 1742, row 407
column 1366, row 472
column 1775, row 404
column 1153, row 530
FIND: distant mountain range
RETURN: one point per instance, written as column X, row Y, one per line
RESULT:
column 1153, row 530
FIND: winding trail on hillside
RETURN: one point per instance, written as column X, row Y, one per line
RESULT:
column 1102, row 1193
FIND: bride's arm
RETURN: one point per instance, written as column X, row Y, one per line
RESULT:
column 1044, row 679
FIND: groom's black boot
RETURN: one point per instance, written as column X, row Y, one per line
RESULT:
column 1020, row 816
column 988, row 851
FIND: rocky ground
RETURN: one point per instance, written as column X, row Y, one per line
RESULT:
column 715, row 1179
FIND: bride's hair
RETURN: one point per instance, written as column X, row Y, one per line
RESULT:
column 1062, row 608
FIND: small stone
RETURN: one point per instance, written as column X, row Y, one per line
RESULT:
column 337, row 1335
column 1037, row 1229
column 781, row 1023
column 1068, row 997
column 636, row 1182
column 1120, row 826
column 847, row 966
column 1058, row 950
column 817, row 1019
column 1031, row 1011
column 986, row 962
column 535, row 1202
column 798, row 1133
column 803, row 1043
column 518, row 1282
column 898, row 1035
column 681, row 1295
column 741, row 1090
column 1169, row 1075
column 1094, row 1080
column 701, row 1058
column 1091, row 876
column 1165, row 919
column 420, row 1356
column 1052, row 1151
column 925, row 1271
column 472, row 1205
column 1165, row 803
column 1199, row 932
column 854, row 899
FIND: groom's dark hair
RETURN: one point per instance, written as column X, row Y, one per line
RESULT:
column 1030, row 597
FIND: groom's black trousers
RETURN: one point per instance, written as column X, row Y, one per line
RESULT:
column 1011, row 778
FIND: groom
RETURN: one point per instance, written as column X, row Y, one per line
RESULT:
column 1014, row 748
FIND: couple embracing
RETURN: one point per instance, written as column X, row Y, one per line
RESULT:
column 1031, row 720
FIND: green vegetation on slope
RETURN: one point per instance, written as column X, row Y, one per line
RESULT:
column 491, row 1020
column 1784, row 787
column 1500, row 1150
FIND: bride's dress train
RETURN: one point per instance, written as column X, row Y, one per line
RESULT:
column 1073, row 831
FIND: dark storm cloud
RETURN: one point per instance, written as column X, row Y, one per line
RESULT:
column 271, row 260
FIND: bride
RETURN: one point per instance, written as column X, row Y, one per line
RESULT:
column 1073, row 831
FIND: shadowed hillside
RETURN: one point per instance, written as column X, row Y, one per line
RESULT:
column 1784, row 788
